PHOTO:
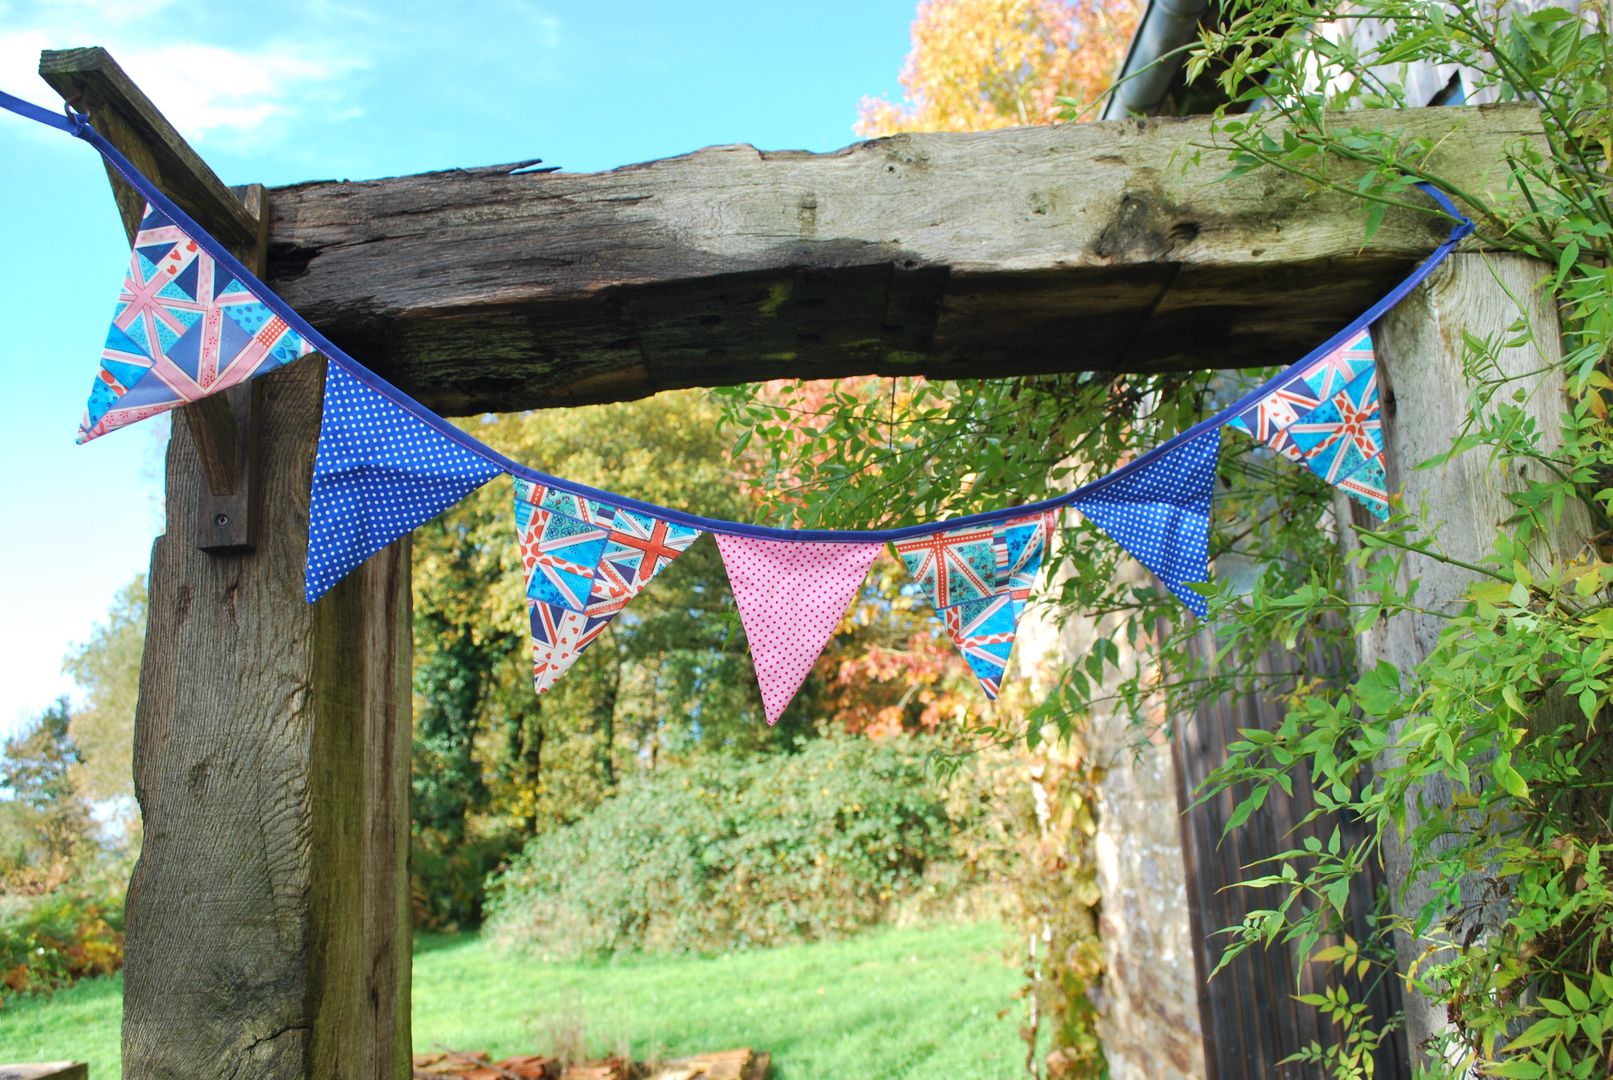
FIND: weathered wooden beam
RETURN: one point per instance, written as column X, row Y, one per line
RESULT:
column 1426, row 403
column 1081, row 247
column 91, row 81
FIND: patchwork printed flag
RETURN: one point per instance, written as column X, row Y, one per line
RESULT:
column 379, row 471
column 1369, row 487
column 584, row 560
column 184, row 328
column 1327, row 417
column 791, row 596
column 1161, row 514
column 979, row 580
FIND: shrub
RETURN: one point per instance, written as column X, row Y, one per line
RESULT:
column 446, row 878
column 53, row 940
column 733, row 852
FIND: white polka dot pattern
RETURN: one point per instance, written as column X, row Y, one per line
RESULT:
column 1161, row 514
column 791, row 597
column 378, row 472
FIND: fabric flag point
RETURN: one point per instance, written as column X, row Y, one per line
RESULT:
column 791, row 596
column 584, row 561
column 1160, row 512
column 179, row 332
column 379, row 471
column 1326, row 416
column 978, row 579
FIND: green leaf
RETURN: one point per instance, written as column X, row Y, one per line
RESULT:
column 1509, row 779
column 1577, row 998
column 1537, row 1033
column 1374, row 219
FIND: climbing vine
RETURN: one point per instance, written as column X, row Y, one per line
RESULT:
column 1510, row 710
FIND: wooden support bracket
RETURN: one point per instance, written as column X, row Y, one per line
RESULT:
column 222, row 425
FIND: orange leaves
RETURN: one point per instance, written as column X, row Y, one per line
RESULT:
column 983, row 64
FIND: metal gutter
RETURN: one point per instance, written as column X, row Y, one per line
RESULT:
column 1144, row 78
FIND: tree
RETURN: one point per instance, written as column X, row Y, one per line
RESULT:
column 107, row 670
column 670, row 677
column 1508, row 710
column 49, row 821
column 983, row 64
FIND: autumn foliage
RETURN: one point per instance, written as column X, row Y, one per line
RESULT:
column 977, row 65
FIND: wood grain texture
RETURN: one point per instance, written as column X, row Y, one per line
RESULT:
column 267, row 933
column 1080, row 247
column 1425, row 394
column 224, row 431
column 1252, row 1021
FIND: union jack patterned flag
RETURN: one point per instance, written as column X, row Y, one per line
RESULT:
column 184, row 328
column 584, row 561
column 1326, row 416
column 979, row 579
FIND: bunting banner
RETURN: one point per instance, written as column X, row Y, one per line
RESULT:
column 183, row 328
column 979, row 581
column 1325, row 415
column 584, row 560
column 191, row 320
column 791, row 596
column 379, row 471
column 1158, row 508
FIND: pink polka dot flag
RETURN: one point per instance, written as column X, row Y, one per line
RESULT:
column 791, row 596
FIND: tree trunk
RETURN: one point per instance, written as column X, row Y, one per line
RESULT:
column 267, row 919
column 1425, row 403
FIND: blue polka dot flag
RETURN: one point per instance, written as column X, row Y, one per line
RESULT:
column 1160, row 512
column 379, row 471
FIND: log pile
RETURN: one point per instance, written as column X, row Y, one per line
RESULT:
column 741, row 1064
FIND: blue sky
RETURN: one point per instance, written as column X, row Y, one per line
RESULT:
column 333, row 90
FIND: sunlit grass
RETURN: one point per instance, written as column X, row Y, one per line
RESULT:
column 80, row 1023
column 912, row 1003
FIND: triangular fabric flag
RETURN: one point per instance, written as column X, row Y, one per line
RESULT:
column 791, row 596
column 179, row 332
column 1326, row 416
column 379, row 471
column 1341, row 440
column 584, row 560
column 1160, row 512
column 1303, row 390
column 1369, row 487
column 979, row 579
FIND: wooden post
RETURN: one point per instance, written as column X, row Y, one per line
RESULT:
column 267, row 931
column 267, row 920
column 1425, row 401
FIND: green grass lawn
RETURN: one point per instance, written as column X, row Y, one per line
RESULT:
column 893, row 1004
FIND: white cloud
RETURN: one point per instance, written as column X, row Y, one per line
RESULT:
column 114, row 12
column 208, row 89
column 203, row 89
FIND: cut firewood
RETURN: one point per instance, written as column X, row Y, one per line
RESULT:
column 532, row 1067
column 611, row 1069
column 743, row 1064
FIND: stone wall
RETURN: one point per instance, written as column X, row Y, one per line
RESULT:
column 1148, row 1001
